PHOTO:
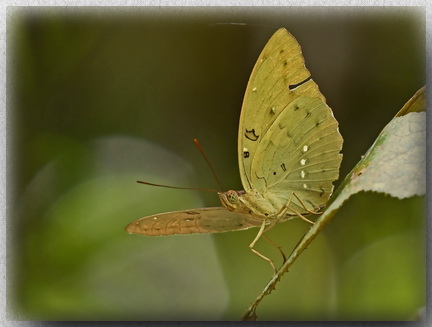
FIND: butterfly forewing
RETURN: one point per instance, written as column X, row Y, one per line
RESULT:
column 279, row 77
column 195, row 221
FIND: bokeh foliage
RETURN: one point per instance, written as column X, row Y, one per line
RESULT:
column 100, row 98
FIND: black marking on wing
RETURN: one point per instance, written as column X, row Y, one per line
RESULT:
column 251, row 135
column 246, row 154
column 283, row 167
column 293, row 86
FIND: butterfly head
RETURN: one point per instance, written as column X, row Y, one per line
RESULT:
column 251, row 204
column 230, row 199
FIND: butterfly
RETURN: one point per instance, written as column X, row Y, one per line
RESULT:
column 288, row 152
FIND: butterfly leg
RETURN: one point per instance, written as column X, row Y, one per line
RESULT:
column 260, row 232
column 287, row 206
column 304, row 207
column 276, row 246
column 301, row 216
column 272, row 242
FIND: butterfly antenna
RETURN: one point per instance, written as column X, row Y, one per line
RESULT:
column 208, row 163
column 179, row 187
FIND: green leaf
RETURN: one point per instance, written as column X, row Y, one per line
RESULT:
column 416, row 104
column 395, row 164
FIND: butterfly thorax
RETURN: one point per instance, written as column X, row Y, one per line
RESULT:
column 251, row 204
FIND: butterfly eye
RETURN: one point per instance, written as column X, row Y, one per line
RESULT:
column 232, row 197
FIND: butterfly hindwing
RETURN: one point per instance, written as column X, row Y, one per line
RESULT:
column 194, row 221
column 300, row 154
column 279, row 77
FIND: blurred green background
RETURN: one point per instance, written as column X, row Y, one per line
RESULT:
column 100, row 98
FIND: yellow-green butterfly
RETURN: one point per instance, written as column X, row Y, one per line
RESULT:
column 288, row 152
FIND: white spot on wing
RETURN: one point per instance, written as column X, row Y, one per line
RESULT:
column 305, row 148
column 303, row 162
